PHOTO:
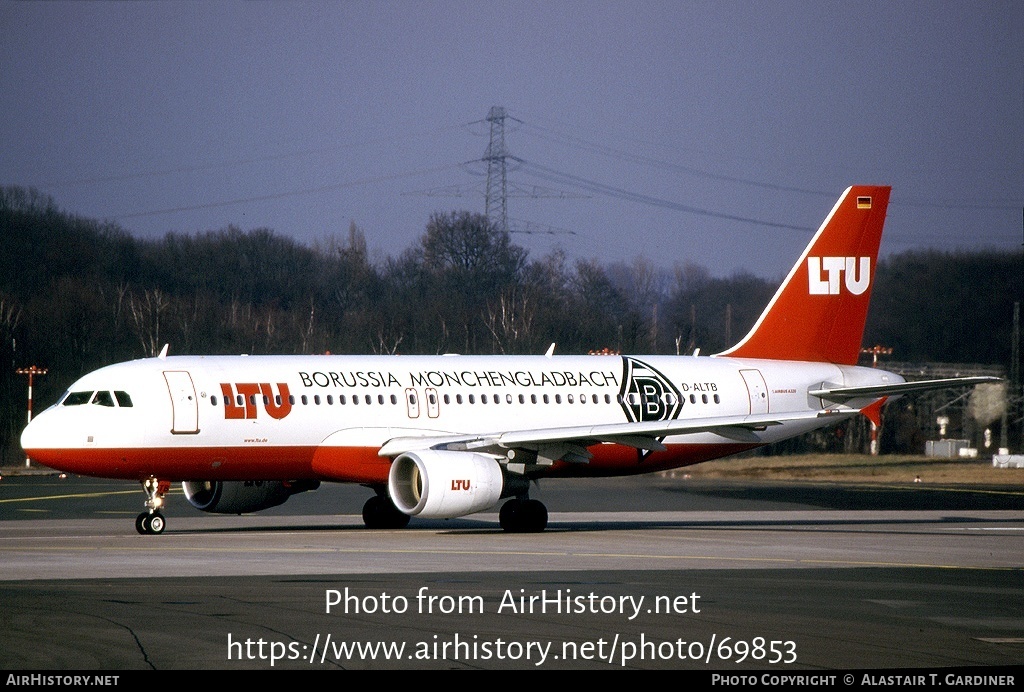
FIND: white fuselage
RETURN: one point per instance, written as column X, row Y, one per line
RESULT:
column 327, row 417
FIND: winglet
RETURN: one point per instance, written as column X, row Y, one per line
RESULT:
column 163, row 352
column 818, row 313
column 551, row 350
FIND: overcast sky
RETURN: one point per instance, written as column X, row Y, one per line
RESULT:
column 648, row 126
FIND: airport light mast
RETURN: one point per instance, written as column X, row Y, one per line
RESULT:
column 31, row 371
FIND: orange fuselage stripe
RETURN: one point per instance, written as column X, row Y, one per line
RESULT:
column 344, row 464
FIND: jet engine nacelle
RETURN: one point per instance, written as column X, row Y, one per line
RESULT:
column 240, row 497
column 441, row 484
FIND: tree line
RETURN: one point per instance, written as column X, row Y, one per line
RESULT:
column 77, row 293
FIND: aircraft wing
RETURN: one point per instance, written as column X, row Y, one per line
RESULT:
column 569, row 443
column 842, row 394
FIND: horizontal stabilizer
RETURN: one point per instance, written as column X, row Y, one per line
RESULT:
column 841, row 394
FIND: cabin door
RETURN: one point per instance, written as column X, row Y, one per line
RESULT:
column 184, row 405
column 757, row 389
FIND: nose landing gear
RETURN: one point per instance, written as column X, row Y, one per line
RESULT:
column 152, row 521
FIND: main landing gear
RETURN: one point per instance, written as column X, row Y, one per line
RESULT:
column 380, row 512
column 152, row 521
column 523, row 515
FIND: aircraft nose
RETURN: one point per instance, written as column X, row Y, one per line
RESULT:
column 34, row 434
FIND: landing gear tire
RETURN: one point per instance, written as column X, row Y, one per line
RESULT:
column 523, row 516
column 157, row 523
column 150, row 524
column 380, row 513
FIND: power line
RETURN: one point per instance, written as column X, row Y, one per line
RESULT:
column 943, row 202
column 560, row 177
column 293, row 193
column 611, row 152
column 235, row 163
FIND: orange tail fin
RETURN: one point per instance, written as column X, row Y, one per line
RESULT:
column 818, row 313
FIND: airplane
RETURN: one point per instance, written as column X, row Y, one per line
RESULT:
column 451, row 435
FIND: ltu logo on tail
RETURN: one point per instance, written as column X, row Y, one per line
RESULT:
column 857, row 278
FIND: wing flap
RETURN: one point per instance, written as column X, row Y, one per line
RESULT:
column 643, row 435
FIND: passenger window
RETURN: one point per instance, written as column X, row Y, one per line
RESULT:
column 125, row 401
column 103, row 399
column 213, row 400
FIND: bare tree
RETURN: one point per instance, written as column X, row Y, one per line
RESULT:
column 510, row 321
column 147, row 311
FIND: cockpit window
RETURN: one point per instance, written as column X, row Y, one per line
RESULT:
column 123, row 400
column 103, row 399
column 78, row 398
